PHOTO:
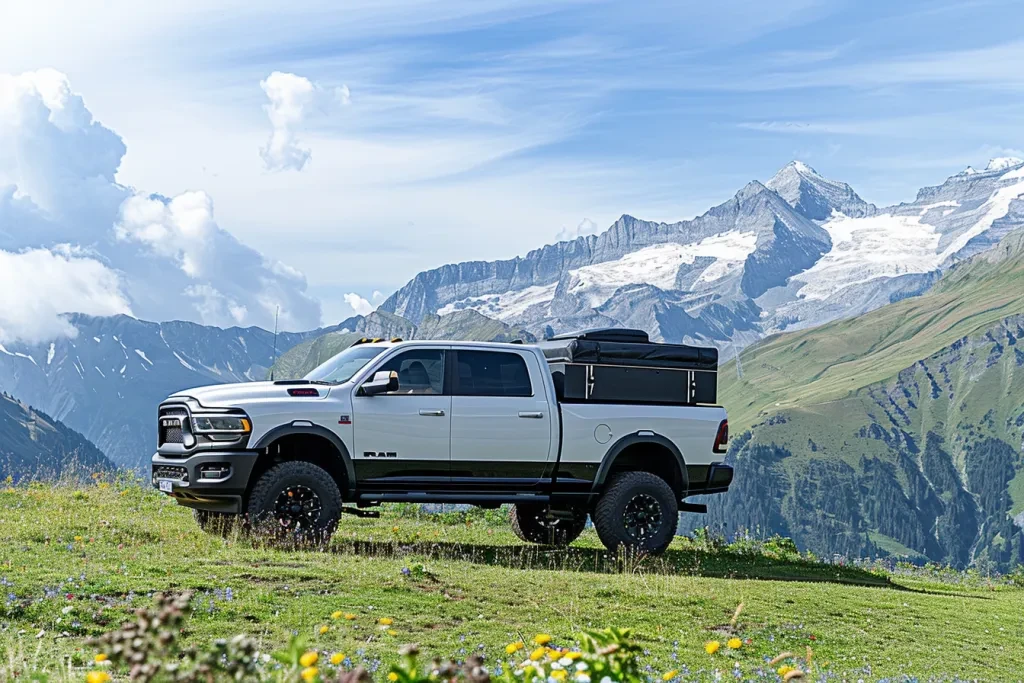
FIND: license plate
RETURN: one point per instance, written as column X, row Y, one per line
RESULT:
column 166, row 485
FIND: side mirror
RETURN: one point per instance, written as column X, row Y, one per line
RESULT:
column 381, row 383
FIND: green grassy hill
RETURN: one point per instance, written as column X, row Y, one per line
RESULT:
column 895, row 432
column 75, row 563
column 32, row 444
column 466, row 325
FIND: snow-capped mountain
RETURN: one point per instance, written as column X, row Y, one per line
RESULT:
column 107, row 381
column 798, row 250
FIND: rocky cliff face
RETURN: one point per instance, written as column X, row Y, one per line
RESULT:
column 798, row 251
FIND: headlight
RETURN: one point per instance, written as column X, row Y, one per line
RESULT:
column 225, row 424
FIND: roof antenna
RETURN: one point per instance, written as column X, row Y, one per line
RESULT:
column 277, row 311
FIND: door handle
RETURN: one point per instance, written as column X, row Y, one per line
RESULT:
column 432, row 413
column 532, row 415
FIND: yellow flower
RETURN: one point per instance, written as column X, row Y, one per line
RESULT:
column 392, row 677
column 537, row 654
column 97, row 677
column 101, row 657
column 711, row 647
column 392, row 632
column 558, row 674
column 385, row 621
column 542, row 639
column 573, row 655
column 349, row 616
column 513, row 648
column 337, row 658
column 336, row 615
column 669, row 675
column 394, row 529
column 309, row 659
column 78, row 538
column 784, row 669
column 309, row 673
column 324, row 629
column 735, row 643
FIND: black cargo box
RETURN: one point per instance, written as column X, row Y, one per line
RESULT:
column 622, row 366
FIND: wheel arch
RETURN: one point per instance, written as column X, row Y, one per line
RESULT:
column 638, row 452
column 316, row 445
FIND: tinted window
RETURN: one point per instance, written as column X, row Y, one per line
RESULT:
column 489, row 373
column 419, row 372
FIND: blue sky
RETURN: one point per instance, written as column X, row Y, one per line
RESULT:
column 481, row 130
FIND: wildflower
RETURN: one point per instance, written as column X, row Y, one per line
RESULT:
column 337, row 658
column 309, row 673
column 542, row 639
column 78, row 538
column 100, row 658
column 385, row 621
column 735, row 643
column 558, row 675
column 309, row 659
column 392, row 677
column 582, row 678
column 513, row 648
column 336, row 615
column 669, row 675
column 784, row 669
column 392, row 632
column 394, row 529
column 537, row 654
column 573, row 656
column 711, row 647
column 349, row 616
column 324, row 629
column 97, row 677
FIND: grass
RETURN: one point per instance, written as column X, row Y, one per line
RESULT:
column 76, row 561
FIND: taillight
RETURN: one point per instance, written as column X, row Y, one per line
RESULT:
column 304, row 392
column 722, row 438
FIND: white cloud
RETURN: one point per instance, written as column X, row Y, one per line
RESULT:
column 291, row 99
column 585, row 227
column 172, row 259
column 358, row 304
column 378, row 295
column 38, row 286
column 181, row 228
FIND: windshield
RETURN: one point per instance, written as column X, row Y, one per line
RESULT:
column 347, row 363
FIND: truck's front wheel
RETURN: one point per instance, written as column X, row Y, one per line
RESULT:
column 637, row 510
column 295, row 500
column 534, row 524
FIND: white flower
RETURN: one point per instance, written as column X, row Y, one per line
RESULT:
column 581, row 666
column 582, row 678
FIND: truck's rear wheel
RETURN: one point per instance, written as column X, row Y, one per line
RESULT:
column 533, row 524
column 295, row 501
column 217, row 523
column 637, row 510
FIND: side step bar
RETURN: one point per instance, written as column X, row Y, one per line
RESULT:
column 699, row 508
column 446, row 497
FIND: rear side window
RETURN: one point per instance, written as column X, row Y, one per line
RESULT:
column 491, row 373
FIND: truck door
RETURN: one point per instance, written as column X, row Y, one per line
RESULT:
column 501, row 422
column 402, row 438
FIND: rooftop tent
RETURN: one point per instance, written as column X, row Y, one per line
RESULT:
column 624, row 366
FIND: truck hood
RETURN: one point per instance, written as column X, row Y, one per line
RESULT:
column 240, row 394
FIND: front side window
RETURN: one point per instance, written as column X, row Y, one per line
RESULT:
column 419, row 372
column 491, row 373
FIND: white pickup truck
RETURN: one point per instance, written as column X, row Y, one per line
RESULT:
column 450, row 422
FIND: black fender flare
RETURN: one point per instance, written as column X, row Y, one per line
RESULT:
column 640, row 438
column 315, row 430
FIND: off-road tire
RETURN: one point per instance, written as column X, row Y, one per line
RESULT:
column 530, row 524
column 216, row 523
column 638, row 489
column 312, row 484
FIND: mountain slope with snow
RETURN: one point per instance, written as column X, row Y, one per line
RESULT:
column 796, row 251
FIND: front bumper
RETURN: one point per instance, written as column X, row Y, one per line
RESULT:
column 209, row 480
